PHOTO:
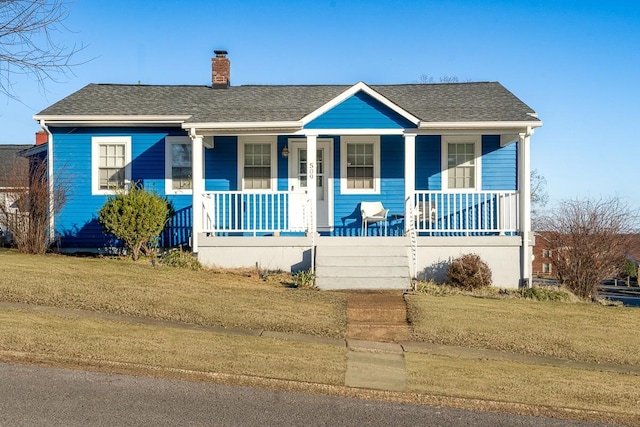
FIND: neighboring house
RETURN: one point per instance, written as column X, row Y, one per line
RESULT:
column 11, row 165
column 543, row 253
column 450, row 163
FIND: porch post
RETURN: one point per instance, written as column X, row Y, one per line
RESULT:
column 524, row 185
column 311, row 180
column 409, row 173
column 197, row 175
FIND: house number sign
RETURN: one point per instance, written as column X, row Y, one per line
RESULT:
column 311, row 167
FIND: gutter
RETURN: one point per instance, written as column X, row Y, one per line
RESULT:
column 52, row 230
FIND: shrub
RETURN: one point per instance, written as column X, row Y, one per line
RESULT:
column 304, row 279
column 137, row 217
column 181, row 259
column 469, row 272
column 546, row 293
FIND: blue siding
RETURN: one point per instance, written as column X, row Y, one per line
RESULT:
column 347, row 217
column 77, row 223
column 221, row 165
column 360, row 111
column 499, row 164
column 283, row 164
column 429, row 162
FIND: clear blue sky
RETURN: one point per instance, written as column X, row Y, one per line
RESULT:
column 577, row 63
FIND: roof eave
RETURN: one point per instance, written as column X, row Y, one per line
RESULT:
column 506, row 125
column 87, row 120
column 244, row 127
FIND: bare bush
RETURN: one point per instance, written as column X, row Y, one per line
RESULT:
column 469, row 272
column 589, row 239
column 29, row 207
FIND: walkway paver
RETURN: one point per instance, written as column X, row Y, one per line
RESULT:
column 377, row 316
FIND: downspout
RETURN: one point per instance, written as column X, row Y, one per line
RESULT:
column 524, row 154
column 52, row 231
column 197, row 166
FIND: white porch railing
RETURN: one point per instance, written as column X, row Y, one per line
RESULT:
column 453, row 213
column 254, row 212
column 436, row 213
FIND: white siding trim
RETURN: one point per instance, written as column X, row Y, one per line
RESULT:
column 344, row 140
column 96, row 141
column 459, row 139
column 265, row 139
column 168, row 160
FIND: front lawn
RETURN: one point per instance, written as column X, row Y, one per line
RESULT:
column 576, row 331
column 200, row 297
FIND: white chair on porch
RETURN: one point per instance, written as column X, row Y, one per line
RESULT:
column 373, row 212
column 424, row 214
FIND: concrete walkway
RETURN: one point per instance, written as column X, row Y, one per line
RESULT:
column 376, row 323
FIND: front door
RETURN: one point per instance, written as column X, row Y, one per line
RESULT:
column 324, row 177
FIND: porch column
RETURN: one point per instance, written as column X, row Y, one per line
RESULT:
column 311, row 180
column 197, row 187
column 409, row 173
column 524, row 186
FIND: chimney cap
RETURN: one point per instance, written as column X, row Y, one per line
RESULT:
column 220, row 53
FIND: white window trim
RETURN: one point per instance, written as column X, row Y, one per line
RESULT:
column 461, row 139
column 267, row 139
column 344, row 140
column 96, row 141
column 168, row 171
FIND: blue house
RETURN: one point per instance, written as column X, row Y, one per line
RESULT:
column 278, row 176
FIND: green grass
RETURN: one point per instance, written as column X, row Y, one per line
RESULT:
column 200, row 297
column 581, row 331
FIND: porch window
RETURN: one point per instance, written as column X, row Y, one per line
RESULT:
column 257, row 164
column 546, row 268
column 178, row 170
column 461, row 163
column 110, row 159
column 360, row 164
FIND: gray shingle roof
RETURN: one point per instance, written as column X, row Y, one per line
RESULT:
column 8, row 159
column 456, row 102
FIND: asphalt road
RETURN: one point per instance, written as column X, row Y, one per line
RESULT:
column 37, row 396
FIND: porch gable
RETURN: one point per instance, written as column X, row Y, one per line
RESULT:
column 360, row 111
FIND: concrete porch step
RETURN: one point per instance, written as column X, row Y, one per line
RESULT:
column 346, row 283
column 363, row 263
column 349, row 271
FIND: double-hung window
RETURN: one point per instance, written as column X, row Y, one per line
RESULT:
column 258, row 163
column 360, row 164
column 178, row 167
column 111, row 163
column 461, row 163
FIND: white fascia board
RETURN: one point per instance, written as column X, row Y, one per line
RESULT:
column 479, row 125
column 352, row 132
column 93, row 119
column 244, row 125
column 360, row 86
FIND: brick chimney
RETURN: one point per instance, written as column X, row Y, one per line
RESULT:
column 41, row 137
column 220, row 70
